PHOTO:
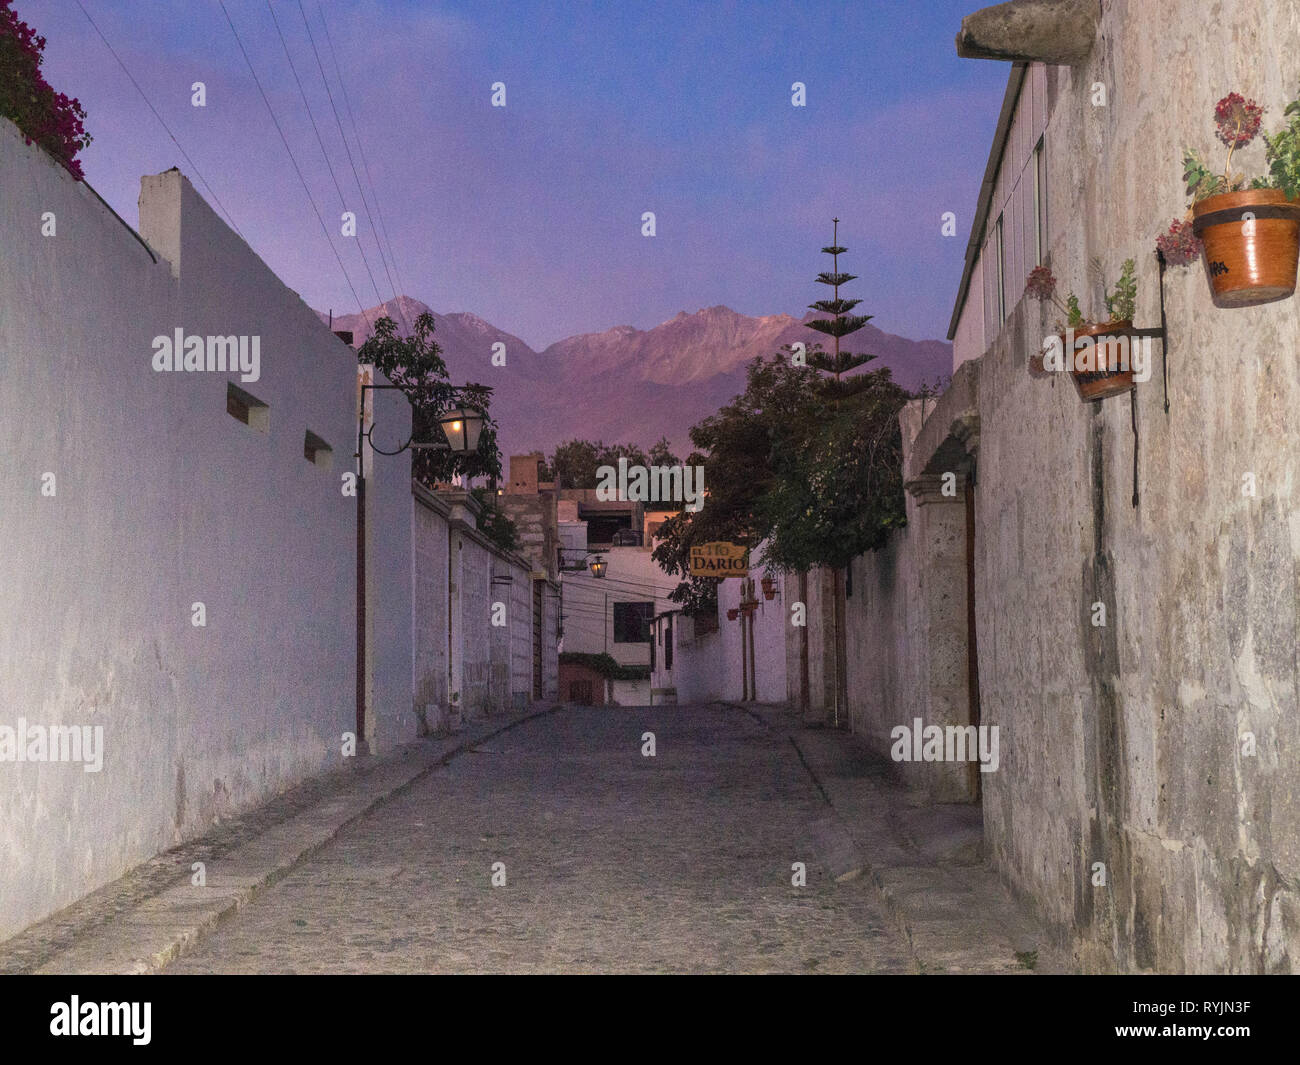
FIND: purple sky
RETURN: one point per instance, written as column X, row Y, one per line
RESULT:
column 530, row 215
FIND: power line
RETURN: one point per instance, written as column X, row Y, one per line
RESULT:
column 311, row 199
column 320, row 140
column 193, row 166
column 343, row 136
column 361, row 149
column 626, row 582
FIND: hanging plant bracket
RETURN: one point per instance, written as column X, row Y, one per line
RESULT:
column 1161, row 334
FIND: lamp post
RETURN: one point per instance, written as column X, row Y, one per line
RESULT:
column 461, row 427
column 597, row 567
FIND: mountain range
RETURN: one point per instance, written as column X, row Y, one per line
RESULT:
column 626, row 384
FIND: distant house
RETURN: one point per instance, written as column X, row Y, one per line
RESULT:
column 610, row 614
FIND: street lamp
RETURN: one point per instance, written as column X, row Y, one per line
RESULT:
column 461, row 426
column 597, row 566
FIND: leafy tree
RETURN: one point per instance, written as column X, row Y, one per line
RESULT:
column 493, row 522
column 807, row 460
column 737, row 447
column 837, row 488
column 576, row 463
column 414, row 363
column 661, row 453
column 610, row 454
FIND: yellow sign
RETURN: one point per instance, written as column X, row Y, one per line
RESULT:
column 719, row 559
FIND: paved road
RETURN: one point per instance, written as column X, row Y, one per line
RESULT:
column 614, row 862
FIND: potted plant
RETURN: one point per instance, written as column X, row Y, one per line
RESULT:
column 1249, row 234
column 1042, row 287
column 769, row 588
column 733, row 613
column 1099, row 368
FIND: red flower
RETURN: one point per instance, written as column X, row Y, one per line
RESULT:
column 1180, row 246
column 1237, row 120
column 1041, row 284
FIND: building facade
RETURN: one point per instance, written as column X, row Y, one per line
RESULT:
column 1116, row 580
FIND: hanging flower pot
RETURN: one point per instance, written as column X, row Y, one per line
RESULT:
column 1098, row 356
column 1108, row 366
column 1248, row 231
column 748, row 607
column 769, row 588
column 1252, row 244
column 1041, row 286
column 733, row 614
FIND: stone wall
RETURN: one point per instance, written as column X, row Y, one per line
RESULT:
column 1123, row 743
column 1127, row 806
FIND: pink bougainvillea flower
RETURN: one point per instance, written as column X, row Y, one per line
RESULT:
column 1237, row 120
column 51, row 119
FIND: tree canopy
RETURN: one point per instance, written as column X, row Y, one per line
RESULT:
column 575, row 462
column 414, row 363
column 807, row 461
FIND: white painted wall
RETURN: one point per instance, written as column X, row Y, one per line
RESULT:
column 163, row 499
column 490, row 666
column 391, row 717
column 431, row 661
column 697, row 673
column 771, row 627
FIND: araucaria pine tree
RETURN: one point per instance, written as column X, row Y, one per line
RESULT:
column 840, row 325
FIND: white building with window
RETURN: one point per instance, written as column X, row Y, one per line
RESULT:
column 611, row 614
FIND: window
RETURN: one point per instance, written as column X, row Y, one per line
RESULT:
column 601, row 528
column 247, row 408
column 705, row 624
column 632, row 622
column 1040, row 204
column 1002, row 289
column 316, row 451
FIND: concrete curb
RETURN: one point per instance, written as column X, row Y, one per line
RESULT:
column 152, row 932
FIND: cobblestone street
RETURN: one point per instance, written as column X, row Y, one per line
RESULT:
column 613, row 861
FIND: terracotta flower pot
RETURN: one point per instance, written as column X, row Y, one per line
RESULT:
column 733, row 613
column 1249, row 260
column 1036, row 368
column 1109, row 378
column 769, row 588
